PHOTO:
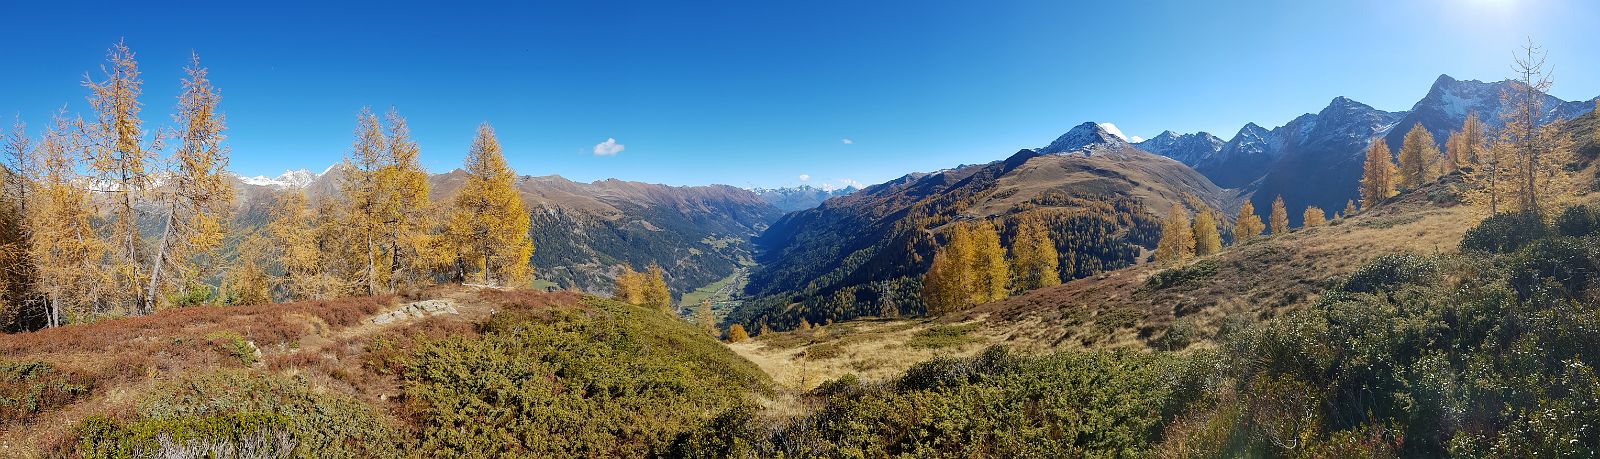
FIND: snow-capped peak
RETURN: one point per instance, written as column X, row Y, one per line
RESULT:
column 297, row 178
column 1083, row 138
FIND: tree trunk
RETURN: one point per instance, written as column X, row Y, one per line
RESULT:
column 160, row 259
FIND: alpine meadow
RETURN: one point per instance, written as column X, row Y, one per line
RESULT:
column 830, row 229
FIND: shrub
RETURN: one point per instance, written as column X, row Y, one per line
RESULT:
column 1505, row 233
column 28, row 388
column 943, row 336
column 238, row 435
column 1184, row 274
column 1575, row 221
column 1389, row 270
column 736, row 334
column 1566, row 262
column 232, row 344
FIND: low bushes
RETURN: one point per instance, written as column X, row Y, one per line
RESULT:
column 28, row 388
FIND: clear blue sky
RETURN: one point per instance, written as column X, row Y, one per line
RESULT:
column 757, row 93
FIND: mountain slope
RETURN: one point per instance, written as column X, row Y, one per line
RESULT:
column 863, row 254
column 802, row 197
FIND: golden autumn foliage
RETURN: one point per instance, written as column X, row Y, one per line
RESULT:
column 198, row 197
column 63, row 245
column 1247, row 225
column 1313, row 217
column 705, row 317
column 1419, row 157
column 1207, row 238
column 118, row 160
column 488, row 225
column 1377, row 175
column 736, row 334
column 1349, row 209
column 1279, row 218
column 629, row 286
column 294, row 246
column 1034, row 257
column 655, row 293
column 970, row 269
column 1177, row 237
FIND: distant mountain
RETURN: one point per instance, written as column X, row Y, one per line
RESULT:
column 581, row 231
column 790, row 199
column 863, row 253
column 1450, row 100
column 1189, row 149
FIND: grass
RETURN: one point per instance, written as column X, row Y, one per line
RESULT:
column 692, row 299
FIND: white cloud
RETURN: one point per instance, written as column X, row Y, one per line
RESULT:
column 805, row 177
column 847, row 141
column 842, row 184
column 1112, row 128
column 610, row 147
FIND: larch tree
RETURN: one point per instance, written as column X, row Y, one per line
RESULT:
column 489, row 223
column 198, row 197
column 736, row 334
column 361, row 186
column 1207, row 238
column 1464, row 147
column 1419, row 156
column 705, row 317
column 17, row 271
column 22, row 162
column 942, row 291
column 1279, row 219
column 1541, row 151
column 119, row 162
column 1349, row 209
column 294, row 246
column 341, row 260
column 61, row 243
column 629, row 286
column 405, row 209
column 1034, row 256
column 1313, row 217
column 656, row 294
column 1247, row 225
column 991, row 272
column 1377, row 174
column 1177, row 237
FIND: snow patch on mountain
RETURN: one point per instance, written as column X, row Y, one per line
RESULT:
column 297, row 178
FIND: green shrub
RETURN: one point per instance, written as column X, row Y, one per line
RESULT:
column 1390, row 270
column 1564, row 263
column 606, row 379
column 232, row 436
column 1505, row 233
column 232, row 344
column 1575, row 221
column 28, row 388
column 243, row 408
column 943, row 336
column 1184, row 274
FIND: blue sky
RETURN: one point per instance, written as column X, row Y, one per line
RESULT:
column 759, row 93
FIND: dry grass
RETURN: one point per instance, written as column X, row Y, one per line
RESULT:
column 872, row 349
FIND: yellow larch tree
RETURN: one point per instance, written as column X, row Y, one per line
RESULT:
column 405, row 210
column 1279, row 218
column 1247, row 225
column 736, row 334
column 991, row 272
column 1313, row 217
column 197, row 199
column 17, row 271
column 1177, row 237
column 1541, row 152
column 705, row 317
column 1349, row 209
column 1377, row 174
column 294, row 246
column 655, row 292
column 629, row 286
column 1419, row 155
column 1207, row 238
column 1034, row 256
column 118, row 160
column 942, row 291
column 1464, row 147
column 61, row 243
column 489, row 223
column 361, row 187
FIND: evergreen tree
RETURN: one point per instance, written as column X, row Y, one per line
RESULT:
column 1313, row 217
column 1279, row 217
column 118, row 161
column 1377, row 175
column 1247, row 225
column 1418, row 157
column 1034, row 256
column 991, row 271
column 489, row 223
column 1177, row 238
column 1207, row 238
column 199, row 195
